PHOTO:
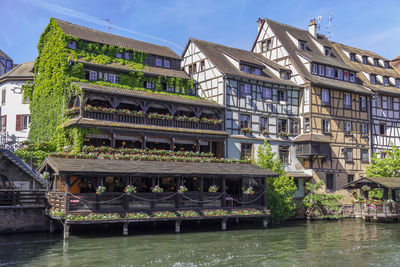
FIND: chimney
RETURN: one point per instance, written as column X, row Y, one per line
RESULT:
column 312, row 28
column 259, row 24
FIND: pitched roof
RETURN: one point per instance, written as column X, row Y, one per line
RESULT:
column 169, row 97
column 312, row 137
column 147, row 168
column 370, row 69
column 217, row 54
column 389, row 182
column 4, row 55
column 115, row 40
column 313, row 54
column 23, row 71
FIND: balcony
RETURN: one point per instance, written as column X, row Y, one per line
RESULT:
column 313, row 149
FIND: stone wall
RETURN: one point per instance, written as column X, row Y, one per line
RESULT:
column 23, row 219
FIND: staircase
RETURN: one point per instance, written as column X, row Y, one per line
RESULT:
column 10, row 142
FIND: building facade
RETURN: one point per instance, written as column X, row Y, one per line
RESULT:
column 15, row 115
column 6, row 63
column 334, row 140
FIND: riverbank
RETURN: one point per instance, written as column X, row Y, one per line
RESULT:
column 301, row 243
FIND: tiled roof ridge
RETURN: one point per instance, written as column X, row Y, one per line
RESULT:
column 356, row 48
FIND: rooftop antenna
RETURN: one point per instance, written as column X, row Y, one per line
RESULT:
column 319, row 20
column 108, row 21
column 329, row 28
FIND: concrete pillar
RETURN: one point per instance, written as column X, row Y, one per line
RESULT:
column 178, row 226
column 265, row 222
column 223, row 223
column 66, row 230
column 125, row 229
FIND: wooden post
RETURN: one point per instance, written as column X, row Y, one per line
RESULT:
column 265, row 222
column 51, row 226
column 198, row 145
column 178, row 226
column 66, row 230
column 153, row 183
column 177, row 196
column 201, row 191
column 125, row 229
column 223, row 223
column 224, row 191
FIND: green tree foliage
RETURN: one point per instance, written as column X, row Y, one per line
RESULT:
column 385, row 167
column 35, row 153
column 320, row 204
column 280, row 190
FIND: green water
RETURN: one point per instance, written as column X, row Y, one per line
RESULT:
column 346, row 243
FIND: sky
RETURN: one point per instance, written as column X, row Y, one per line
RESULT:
column 369, row 25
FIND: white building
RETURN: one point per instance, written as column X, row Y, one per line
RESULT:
column 15, row 115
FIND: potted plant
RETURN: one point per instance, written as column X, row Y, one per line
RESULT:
column 157, row 189
column 249, row 191
column 213, row 189
column 283, row 134
column 100, row 190
column 182, row 189
column 246, row 130
column 130, row 189
column 365, row 188
column 265, row 132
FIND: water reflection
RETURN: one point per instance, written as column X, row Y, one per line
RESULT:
column 346, row 243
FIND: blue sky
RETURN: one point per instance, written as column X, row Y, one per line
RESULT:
column 370, row 25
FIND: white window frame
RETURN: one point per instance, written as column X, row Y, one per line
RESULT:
column 267, row 93
column 389, row 102
column 352, row 77
column 306, row 96
column 347, row 101
column 127, row 55
column 364, row 128
column 363, row 103
column 149, row 85
column 159, row 62
column 348, row 127
column 167, row 63
column 321, row 70
column 340, row 74
column 329, row 72
column 346, row 77
column 112, row 78
column 26, row 121
column 326, row 125
column 92, row 75
column 314, row 69
column 378, row 101
column 325, row 99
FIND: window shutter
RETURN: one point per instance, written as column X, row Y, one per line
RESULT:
column 18, row 126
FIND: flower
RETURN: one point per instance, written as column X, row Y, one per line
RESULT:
column 130, row 189
column 246, row 130
column 249, row 191
column 100, row 190
column 157, row 189
column 182, row 189
column 213, row 188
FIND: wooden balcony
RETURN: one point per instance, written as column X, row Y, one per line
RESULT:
column 313, row 149
column 173, row 123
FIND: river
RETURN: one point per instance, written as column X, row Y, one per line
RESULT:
column 343, row 243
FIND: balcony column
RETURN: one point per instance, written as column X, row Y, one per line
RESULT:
column 113, row 137
column 172, row 143
column 144, row 138
column 197, row 145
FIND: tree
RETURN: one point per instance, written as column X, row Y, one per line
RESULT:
column 280, row 190
column 385, row 167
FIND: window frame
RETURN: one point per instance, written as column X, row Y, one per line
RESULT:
column 372, row 78
column 363, row 107
column 327, row 94
column 243, row 92
column 243, row 154
column 364, row 151
column 362, row 127
column 168, row 66
column 248, row 121
column 347, row 125
column 263, row 127
column 352, row 76
column 329, row 185
column 348, row 151
column 159, row 62
column 326, row 122
column 307, row 125
column 384, row 129
column 282, row 127
column 266, row 89
column 345, row 104
column 302, row 45
column 284, row 154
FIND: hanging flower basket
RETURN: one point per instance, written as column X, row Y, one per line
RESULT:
column 249, row 191
column 157, row 189
column 45, row 175
column 182, row 189
column 246, row 130
column 213, row 189
column 100, row 190
column 130, row 189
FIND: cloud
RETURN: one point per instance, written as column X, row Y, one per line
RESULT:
column 83, row 16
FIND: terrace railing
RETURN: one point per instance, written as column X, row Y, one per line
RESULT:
column 17, row 197
column 127, row 118
column 377, row 210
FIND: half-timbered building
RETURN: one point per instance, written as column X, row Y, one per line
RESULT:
column 333, row 107
column 378, row 74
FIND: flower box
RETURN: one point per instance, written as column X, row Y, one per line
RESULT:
column 246, row 130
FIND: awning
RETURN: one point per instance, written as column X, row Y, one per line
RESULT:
column 63, row 166
column 375, row 182
column 299, row 175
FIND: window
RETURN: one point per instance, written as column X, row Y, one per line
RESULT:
column 328, row 51
column 127, row 55
column 72, row 44
column 202, row 65
column 398, row 83
column 307, row 126
column 321, row 70
column 314, row 69
column 246, row 150
column 263, row 124
column 364, row 156
column 390, row 103
column 3, row 123
column 339, row 74
column 3, row 96
column 329, row 72
column 26, row 121
column 170, row 88
column 363, row 103
column 372, row 78
column 352, row 77
column 282, row 126
column 347, row 101
column 269, row 44
column 348, row 127
column 194, row 67
column 325, row 97
column 245, row 68
column 386, row 81
column 382, row 129
column 306, row 96
column 348, row 155
column 364, row 128
column 378, row 101
column 346, row 75
column 256, row 71
column 190, row 69
column 285, row 75
column 267, row 93
column 263, row 46
column 365, row 60
column 281, row 95
column 244, row 121
column 167, row 63
column 284, row 154
column 119, row 55
column 326, row 125
column 112, row 78
column 353, row 57
column 158, row 62
column 350, row 178
column 329, row 181
column 93, row 75
column 376, row 62
column 383, row 154
column 302, row 45
column 294, row 127
column 149, row 85
column 245, row 90
column 387, row 65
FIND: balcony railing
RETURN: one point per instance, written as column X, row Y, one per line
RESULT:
column 132, row 119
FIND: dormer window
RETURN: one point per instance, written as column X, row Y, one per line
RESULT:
column 328, row 51
column 387, row 65
column 314, row 69
column 72, row 44
column 352, row 77
column 245, row 68
column 167, row 63
column 365, row 60
column 127, row 55
column 398, row 83
column 376, row 62
column 386, row 81
column 302, row 45
column 372, row 78
column 158, row 62
column 321, row 70
column 256, row 71
column 346, row 75
column 353, row 57
column 285, row 75
column 329, row 72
